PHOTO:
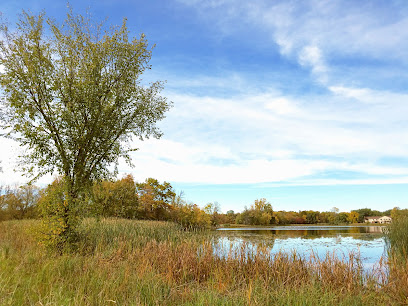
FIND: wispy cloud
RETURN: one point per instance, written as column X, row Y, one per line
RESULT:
column 311, row 56
column 218, row 165
column 273, row 137
column 231, row 125
column 315, row 32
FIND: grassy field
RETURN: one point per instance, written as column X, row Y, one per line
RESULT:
column 123, row 262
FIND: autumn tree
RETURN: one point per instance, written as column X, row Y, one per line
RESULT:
column 230, row 216
column 155, row 198
column 188, row 215
column 18, row 202
column 310, row 216
column 353, row 217
column 74, row 98
column 27, row 196
column 260, row 213
column 366, row 212
column 341, row 218
column 115, row 198
column 398, row 213
column 214, row 210
column 263, row 212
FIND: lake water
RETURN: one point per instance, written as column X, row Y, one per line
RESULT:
column 367, row 241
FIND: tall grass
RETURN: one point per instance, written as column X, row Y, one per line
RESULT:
column 397, row 237
column 157, row 263
column 109, row 235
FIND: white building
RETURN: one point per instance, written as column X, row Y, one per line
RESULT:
column 378, row 219
column 385, row 219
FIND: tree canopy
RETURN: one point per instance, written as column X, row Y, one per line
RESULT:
column 74, row 96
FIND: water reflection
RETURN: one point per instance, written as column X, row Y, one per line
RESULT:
column 365, row 240
column 308, row 232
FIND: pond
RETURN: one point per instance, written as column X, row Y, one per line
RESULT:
column 367, row 241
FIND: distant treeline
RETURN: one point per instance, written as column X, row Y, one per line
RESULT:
column 152, row 200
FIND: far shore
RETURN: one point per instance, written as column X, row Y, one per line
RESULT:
column 303, row 225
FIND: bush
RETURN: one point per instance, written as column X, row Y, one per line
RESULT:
column 59, row 222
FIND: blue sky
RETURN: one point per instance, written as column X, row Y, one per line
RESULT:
column 303, row 103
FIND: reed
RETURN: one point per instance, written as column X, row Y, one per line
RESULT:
column 396, row 236
column 158, row 263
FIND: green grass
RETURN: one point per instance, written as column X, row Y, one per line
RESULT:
column 123, row 262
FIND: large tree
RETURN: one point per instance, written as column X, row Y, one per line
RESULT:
column 74, row 97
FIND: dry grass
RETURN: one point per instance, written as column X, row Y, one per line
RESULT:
column 155, row 263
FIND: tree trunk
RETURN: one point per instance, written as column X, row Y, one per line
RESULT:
column 70, row 215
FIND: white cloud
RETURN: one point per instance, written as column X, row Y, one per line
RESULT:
column 199, row 167
column 312, row 56
column 281, row 106
column 337, row 182
column 258, row 138
column 9, row 153
column 268, row 137
column 251, row 135
column 313, row 32
column 196, row 169
column 370, row 96
column 274, row 122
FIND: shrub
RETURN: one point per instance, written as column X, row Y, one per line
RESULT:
column 58, row 227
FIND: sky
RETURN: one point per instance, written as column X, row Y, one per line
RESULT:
column 303, row 103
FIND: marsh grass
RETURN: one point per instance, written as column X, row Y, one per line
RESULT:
column 397, row 237
column 110, row 235
column 123, row 262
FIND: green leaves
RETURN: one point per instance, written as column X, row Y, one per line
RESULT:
column 75, row 97
column 74, row 100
